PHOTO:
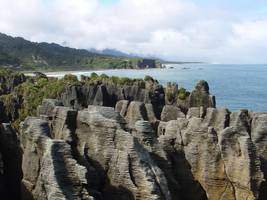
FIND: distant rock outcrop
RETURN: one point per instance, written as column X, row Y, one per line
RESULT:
column 200, row 96
column 105, row 94
column 99, row 91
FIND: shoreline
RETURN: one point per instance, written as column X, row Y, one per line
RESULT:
column 83, row 70
column 105, row 69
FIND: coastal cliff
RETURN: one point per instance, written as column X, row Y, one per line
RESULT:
column 216, row 155
column 103, row 138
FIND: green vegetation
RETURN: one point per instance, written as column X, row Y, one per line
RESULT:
column 170, row 96
column 70, row 78
column 34, row 90
column 104, row 76
column 31, row 56
column 6, row 59
column 148, row 78
column 7, row 99
column 8, row 73
column 24, row 99
column 183, row 94
column 113, row 79
column 94, row 75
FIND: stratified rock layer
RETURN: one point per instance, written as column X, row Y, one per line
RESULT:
column 126, row 169
column 10, row 163
column 101, row 153
column 171, row 113
column 200, row 96
column 142, row 149
column 220, row 152
column 49, row 170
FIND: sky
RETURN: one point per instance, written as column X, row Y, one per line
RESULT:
column 214, row 31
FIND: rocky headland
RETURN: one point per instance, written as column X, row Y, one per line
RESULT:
column 109, row 138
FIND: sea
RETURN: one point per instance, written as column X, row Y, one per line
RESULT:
column 235, row 86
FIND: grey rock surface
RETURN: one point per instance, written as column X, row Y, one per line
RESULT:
column 170, row 112
column 200, row 96
column 222, row 158
column 10, row 163
column 122, row 107
column 171, row 93
column 47, row 106
column 106, row 153
column 49, row 170
column 126, row 169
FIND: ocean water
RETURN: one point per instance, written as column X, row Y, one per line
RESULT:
column 235, row 86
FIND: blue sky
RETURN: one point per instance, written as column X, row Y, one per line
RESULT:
column 108, row 1
column 242, row 6
column 221, row 31
column 237, row 5
column 234, row 4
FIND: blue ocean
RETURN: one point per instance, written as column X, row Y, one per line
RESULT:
column 235, row 86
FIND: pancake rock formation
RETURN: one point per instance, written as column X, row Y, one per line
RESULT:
column 103, row 153
column 109, row 142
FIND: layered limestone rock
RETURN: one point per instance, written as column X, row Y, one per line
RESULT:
column 220, row 153
column 135, row 111
column 171, row 113
column 207, row 154
column 122, row 107
column 49, row 170
column 128, row 153
column 200, row 96
column 259, row 138
column 48, row 106
column 151, row 116
column 171, row 93
column 108, row 94
column 171, row 141
column 198, row 112
column 106, row 153
column 10, row 163
column 148, row 139
column 63, row 124
column 156, row 144
column 125, row 167
column 104, row 92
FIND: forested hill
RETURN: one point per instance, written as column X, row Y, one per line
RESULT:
column 16, row 52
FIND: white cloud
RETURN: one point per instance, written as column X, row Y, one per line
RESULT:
column 172, row 29
column 250, row 32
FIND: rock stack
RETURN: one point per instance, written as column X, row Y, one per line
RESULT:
column 100, row 153
column 108, row 142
